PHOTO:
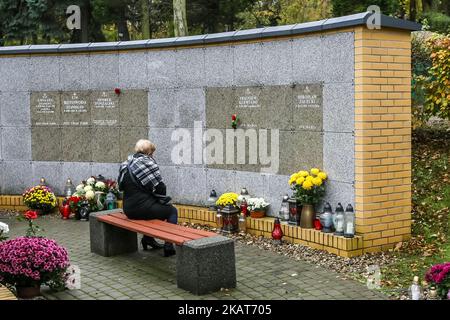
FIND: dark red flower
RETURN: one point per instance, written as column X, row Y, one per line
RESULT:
column 233, row 117
column 30, row 215
column 117, row 90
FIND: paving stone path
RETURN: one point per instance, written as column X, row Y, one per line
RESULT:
column 148, row 275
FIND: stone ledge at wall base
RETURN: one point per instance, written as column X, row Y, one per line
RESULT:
column 260, row 227
column 341, row 246
column 15, row 203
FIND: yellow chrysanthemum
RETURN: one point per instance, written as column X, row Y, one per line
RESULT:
column 309, row 178
column 294, row 176
column 300, row 180
column 291, row 181
column 303, row 173
column 322, row 175
column 307, row 185
column 315, row 171
column 317, row 181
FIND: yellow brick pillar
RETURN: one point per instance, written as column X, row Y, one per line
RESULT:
column 382, row 136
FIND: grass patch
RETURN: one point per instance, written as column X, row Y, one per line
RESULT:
column 430, row 241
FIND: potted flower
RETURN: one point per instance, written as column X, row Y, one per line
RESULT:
column 4, row 229
column 29, row 262
column 40, row 198
column 227, row 217
column 309, row 189
column 439, row 276
column 257, row 207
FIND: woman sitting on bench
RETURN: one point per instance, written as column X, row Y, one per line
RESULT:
column 145, row 192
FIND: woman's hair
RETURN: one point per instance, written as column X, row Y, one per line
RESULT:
column 145, row 146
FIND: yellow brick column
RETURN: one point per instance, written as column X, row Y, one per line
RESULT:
column 382, row 136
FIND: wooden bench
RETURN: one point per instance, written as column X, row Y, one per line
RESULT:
column 5, row 294
column 205, row 260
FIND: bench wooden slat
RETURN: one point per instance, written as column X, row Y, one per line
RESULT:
column 135, row 227
column 167, row 227
column 196, row 231
column 5, row 294
column 174, row 226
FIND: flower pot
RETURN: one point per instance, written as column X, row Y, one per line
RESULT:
column 256, row 214
column 307, row 217
column 28, row 292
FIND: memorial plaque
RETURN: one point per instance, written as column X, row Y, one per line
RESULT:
column 219, row 107
column 128, row 138
column 84, row 126
column 300, row 150
column 46, row 143
column 105, row 144
column 77, row 144
column 134, row 108
column 75, row 109
column 45, row 108
column 307, row 107
column 104, row 109
column 249, row 108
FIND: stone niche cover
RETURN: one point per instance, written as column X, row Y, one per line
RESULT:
column 87, row 126
column 295, row 111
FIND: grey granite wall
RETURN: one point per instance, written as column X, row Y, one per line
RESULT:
column 177, row 80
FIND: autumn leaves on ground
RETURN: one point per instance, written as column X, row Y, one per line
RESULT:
column 430, row 242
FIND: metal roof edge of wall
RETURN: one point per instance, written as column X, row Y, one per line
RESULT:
column 161, row 43
column 73, row 47
column 250, row 34
column 15, row 50
column 103, row 46
column 391, row 22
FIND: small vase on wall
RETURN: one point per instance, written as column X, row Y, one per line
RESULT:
column 307, row 217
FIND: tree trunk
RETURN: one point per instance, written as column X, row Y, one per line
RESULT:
column 179, row 18
column 122, row 27
column 145, row 19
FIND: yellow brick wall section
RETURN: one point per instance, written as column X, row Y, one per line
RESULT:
column 382, row 136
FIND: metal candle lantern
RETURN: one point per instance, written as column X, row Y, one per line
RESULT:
column 69, row 188
column 230, row 216
column 83, row 213
column 212, row 200
column 339, row 220
column 244, row 194
column 294, row 210
column 349, row 225
column 42, row 182
column 326, row 218
column 111, row 201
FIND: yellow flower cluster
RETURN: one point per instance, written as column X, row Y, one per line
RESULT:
column 39, row 195
column 307, row 180
column 227, row 198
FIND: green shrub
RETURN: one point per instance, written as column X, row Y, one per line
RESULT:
column 436, row 21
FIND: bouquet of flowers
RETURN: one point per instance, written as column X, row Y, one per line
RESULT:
column 92, row 193
column 229, row 198
column 40, row 198
column 32, row 261
column 257, row 204
column 308, row 187
column 439, row 275
column 4, row 229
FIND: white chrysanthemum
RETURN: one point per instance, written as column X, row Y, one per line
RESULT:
column 80, row 187
column 90, row 181
column 4, row 228
column 88, row 188
column 100, row 185
column 90, row 195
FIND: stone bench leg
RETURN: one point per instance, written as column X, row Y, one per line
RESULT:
column 108, row 240
column 206, row 265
